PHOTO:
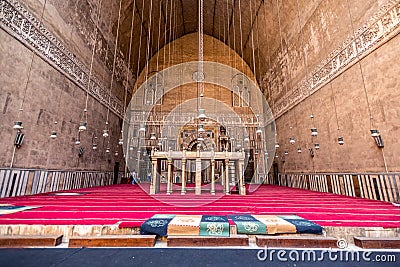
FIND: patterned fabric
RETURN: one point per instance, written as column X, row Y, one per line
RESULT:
column 212, row 225
column 163, row 216
column 185, row 225
column 302, row 225
column 276, row 225
column 247, row 224
column 13, row 209
column 155, row 226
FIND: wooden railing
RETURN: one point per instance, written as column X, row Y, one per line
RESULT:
column 19, row 182
column 377, row 186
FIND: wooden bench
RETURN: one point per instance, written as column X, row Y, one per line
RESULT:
column 112, row 241
column 207, row 241
column 30, row 241
column 296, row 241
column 377, row 242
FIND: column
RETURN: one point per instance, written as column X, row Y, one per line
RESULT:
column 183, row 191
column 212, row 177
column 154, row 184
column 242, row 187
column 169, row 179
column 227, row 191
column 222, row 178
column 198, row 176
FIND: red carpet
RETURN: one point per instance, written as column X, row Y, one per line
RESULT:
column 132, row 206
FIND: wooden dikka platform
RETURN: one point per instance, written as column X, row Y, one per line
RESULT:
column 18, row 241
column 113, row 241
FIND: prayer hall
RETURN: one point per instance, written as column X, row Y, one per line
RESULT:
column 241, row 124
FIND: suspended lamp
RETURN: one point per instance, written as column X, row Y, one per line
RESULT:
column 82, row 126
column 108, row 150
column 105, row 133
column 246, row 139
column 53, row 135
column 299, row 150
column 314, row 132
column 378, row 138
column 153, row 136
column 121, row 141
column 202, row 114
column 291, row 140
column 18, row 125
column 116, row 153
column 259, row 130
column 340, row 141
column 77, row 142
column 201, row 128
column 316, row 145
column 374, row 133
column 286, row 153
column 276, row 145
column 142, row 127
column 94, row 143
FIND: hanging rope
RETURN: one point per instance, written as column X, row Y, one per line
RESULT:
column 129, row 52
column 201, row 47
column 305, row 61
column 112, row 75
column 140, row 48
column 148, row 40
column 84, row 115
column 234, row 31
column 30, row 68
column 371, row 123
column 157, row 71
column 252, row 42
column 115, row 57
column 361, row 71
column 128, row 142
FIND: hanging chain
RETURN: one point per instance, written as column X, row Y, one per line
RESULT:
column 201, row 47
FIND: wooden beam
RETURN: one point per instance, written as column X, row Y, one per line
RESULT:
column 30, row 241
column 377, row 242
column 113, row 241
column 207, row 241
column 296, row 241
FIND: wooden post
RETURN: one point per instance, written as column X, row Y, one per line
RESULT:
column 169, row 179
column 183, row 191
column 227, row 191
column 212, row 177
column 198, row 176
column 154, row 186
column 242, row 187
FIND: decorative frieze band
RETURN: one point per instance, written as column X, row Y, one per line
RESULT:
column 21, row 24
column 381, row 27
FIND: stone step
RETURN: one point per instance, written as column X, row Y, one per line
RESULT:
column 377, row 242
column 296, row 241
column 207, row 241
column 30, row 241
column 112, row 241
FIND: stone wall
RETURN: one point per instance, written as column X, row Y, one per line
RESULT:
column 50, row 93
column 350, row 50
